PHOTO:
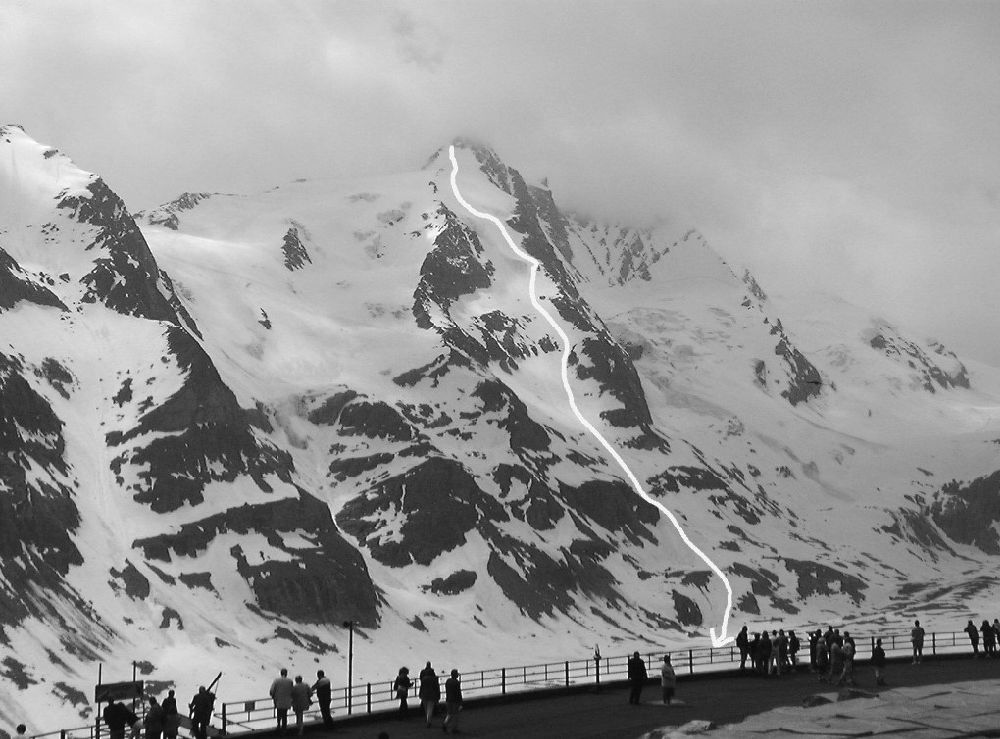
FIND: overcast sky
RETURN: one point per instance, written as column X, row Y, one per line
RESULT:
column 846, row 146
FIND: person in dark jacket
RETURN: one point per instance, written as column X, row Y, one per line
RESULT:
column 430, row 692
column 917, row 640
column 321, row 688
column 117, row 716
column 636, row 678
column 301, row 700
column 402, row 685
column 153, row 722
column 743, row 643
column 201, row 707
column 973, row 633
column 878, row 662
column 764, row 653
column 452, row 701
column 989, row 639
column 171, row 719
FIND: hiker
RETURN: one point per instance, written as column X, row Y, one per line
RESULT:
column 116, row 717
column 668, row 679
column 755, row 653
column 430, row 692
column 453, row 702
column 847, row 674
column 171, row 719
column 836, row 660
column 402, row 687
column 781, row 652
column 301, row 700
column 917, row 639
column 153, row 722
column 200, row 711
column 743, row 643
column 973, row 633
column 878, row 662
column 322, row 690
column 764, row 653
column 281, row 694
column 636, row 678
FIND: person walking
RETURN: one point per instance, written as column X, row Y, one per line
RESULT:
column 917, row 639
column 429, row 693
column 301, row 700
column 402, row 686
column 321, row 688
column 973, row 633
column 636, row 678
column 878, row 662
column 281, row 694
column 743, row 643
column 668, row 680
column 200, row 711
column 153, row 723
column 453, row 702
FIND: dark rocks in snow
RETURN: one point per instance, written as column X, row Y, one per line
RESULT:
column 453, row 584
column 329, row 411
column 213, row 437
column 451, row 269
column 345, row 467
column 611, row 367
column 613, row 505
column 135, row 584
column 324, row 582
column 295, row 253
column 16, row 286
column 804, row 380
column 374, row 420
column 969, row 513
column 525, row 434
column 125, row 275
column 819, row 579
column 439, row 503
column 688, row 612
column 929, row 372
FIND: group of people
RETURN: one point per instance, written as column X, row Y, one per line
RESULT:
column 297, row 697
column 990, row 634
column 637, row 677
column 769, row 654
column 160, row 720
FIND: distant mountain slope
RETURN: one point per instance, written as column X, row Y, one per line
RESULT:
column 236, row 421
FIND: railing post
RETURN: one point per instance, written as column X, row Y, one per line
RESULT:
column 567, row 673
column 368, row 696
column 691, row 660
column 933, row 644
column 225, row 724
column 711, row 656
column 597, row 672
column 503, row 681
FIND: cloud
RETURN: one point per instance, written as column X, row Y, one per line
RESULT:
column 844, row 145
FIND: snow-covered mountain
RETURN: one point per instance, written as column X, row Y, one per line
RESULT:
column 233, row 422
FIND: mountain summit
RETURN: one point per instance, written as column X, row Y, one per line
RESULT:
column 234, row 422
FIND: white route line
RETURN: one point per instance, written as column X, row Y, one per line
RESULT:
column 719, row 640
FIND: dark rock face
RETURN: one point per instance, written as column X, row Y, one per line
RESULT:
column 166, row 215
column 125, row 277
column 451, row 269
column 614, row 506
column 454, row 584
column 687, row 610
column 294, row 251
column 969, row 512
column 374, row 420
column 930, row 373
column 617, row 375
column 817, row 579
column 15, row 286
column 324, row 583
column 214, row 439
column 439, row 502
column 524, row 432
column 805, row 380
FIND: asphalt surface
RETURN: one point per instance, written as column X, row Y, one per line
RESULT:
column 607, row 714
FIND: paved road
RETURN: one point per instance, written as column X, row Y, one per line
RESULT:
column 607, row 715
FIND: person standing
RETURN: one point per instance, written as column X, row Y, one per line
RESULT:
column 878, row 662
column 200, row 710
column 989, row 639
column 917, row 639
column 153, row 722
column 973, row 633
column 793, row 650
column 300, row 702
column 402, row 686
column 836, row 661
column 281, row 694
column 668, row 679
column 743, row 643
column 323, row 693
column 822, row 658
column 814, row 637
column 996, row 634
column 430, row 692
column 636, row 678
column 117, row 716
column 452, row 701
column 847, row 674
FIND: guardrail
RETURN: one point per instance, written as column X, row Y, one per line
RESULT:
column 247, row 716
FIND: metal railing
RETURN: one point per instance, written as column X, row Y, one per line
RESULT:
column 247, row 716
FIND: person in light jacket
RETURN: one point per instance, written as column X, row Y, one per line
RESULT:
column 668, row 679
column 281, row 694
column 301, row 700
